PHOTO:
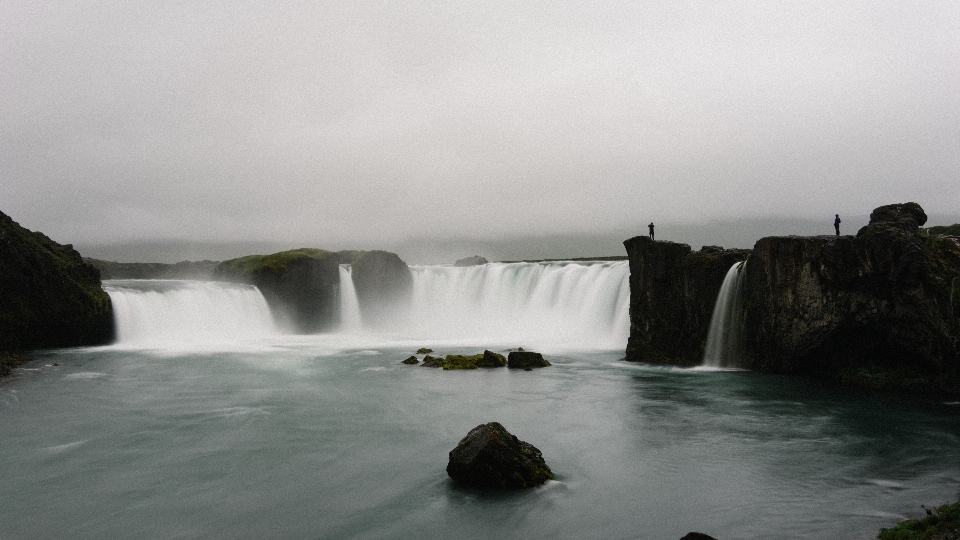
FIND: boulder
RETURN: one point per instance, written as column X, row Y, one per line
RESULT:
column 489, row 457
column 49, row 297
column 431, row 361
column 476, row 260
column 491, row 359
column 526, row 360
column 697, row 536
column 424, row 350
column 411, row 360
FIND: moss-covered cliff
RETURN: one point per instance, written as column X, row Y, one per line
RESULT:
column 301, row 285
column 48, row 296
column 672, row 292
column 201, row 270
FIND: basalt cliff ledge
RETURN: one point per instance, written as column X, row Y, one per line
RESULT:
column 878, row 309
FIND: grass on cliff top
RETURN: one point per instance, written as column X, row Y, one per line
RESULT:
column 940, row 524
column 951, row 230
column 275, row 263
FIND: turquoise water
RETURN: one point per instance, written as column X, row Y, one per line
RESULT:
column 330, row 437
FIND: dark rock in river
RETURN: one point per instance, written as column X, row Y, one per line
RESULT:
column 526, row 360
column 49, row 297
column 697, row 536
column 384, row 287
column 424, row 350
column 489, row 457
column 672, row 293
column 491, row 359
column 476, row 260
column 431, row 361
column 302, row 286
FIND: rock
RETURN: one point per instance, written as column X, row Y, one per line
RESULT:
column 301, row 286
column 489, row 457
column 431, row 361
column 672, row 294
column 49, row 297
column 697, row 536
column 476, row 260
column 411, row 360
column 878, row 309
column 526, row 360
column 384, row 287
column 491, row 359
column 424, row 350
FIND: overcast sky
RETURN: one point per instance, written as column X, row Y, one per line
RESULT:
column 323, row 122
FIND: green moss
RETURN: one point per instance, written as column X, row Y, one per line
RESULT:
column 951, row 230
column 940, row 524
column 9, row 361
column 424, row 350
column 275, row 264
column 459, row 361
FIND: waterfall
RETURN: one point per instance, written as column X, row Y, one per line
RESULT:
column 563, row 303
column 723, row 338
column 349, row 305
column 165, row 312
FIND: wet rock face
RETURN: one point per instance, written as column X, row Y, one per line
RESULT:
column 384, row 287
column 489, row 457
column 672, row 293
column 49, row 297
column 476, row 260
column 847, row 306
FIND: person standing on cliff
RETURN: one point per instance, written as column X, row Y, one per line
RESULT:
column 651, row 230
column 836, row 223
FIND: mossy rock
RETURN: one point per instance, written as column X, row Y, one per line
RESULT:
column 491, row 359
column 8, row 361
column 411, row 360
column 490, row 457
column 49, row 297
column 940, row 524
column 431, row 361
column 424, row 350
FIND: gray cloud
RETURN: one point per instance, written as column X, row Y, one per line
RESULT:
column 336, row 121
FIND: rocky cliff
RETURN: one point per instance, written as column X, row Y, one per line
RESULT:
column 672, row 292
column 877, row 309
column 301, row 286
column 384, row 286
column 48, row 296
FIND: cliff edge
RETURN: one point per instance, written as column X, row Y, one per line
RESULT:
column 48, row 296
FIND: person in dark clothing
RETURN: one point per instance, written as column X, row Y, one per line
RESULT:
column 836, row 223
column 651, row 230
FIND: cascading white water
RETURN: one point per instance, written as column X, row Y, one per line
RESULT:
column 350, row 320
column 723, row 337
column 567, row 304
column 170, row 312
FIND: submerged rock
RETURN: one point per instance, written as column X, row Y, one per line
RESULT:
column 411, row 360
column 476, row 260
column 697, row 536
column 491, row 359
column 489, row 457
column 526, row 360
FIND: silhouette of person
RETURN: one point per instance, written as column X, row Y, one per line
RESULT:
column 836, row 223
column 651, row 230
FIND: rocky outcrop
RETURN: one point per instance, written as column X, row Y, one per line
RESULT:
column 384, row 287
column 526, row 360
column 489, row 457
column 476, row 260
column 48, row 296
column 491, row 359
column 302, row 286
column 199, row 270
column 672, row 293
column 878, row 309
